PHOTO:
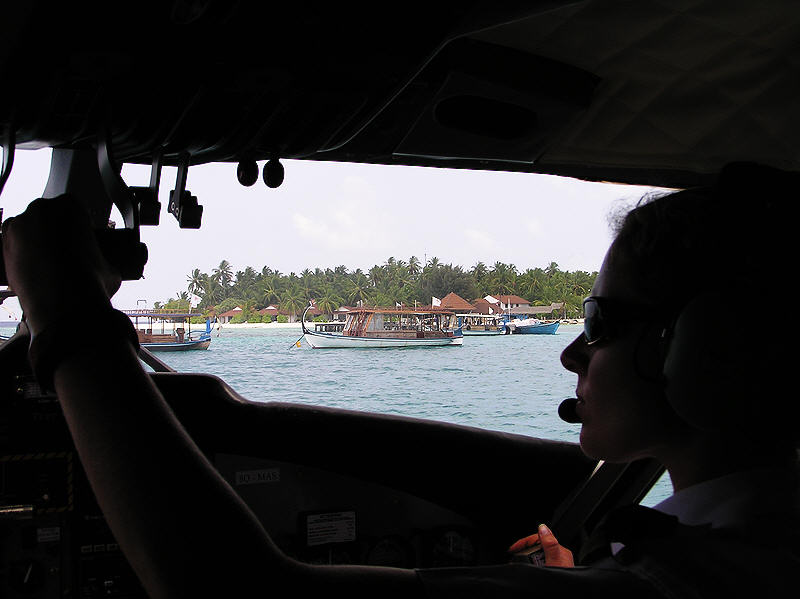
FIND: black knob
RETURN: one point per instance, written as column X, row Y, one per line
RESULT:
column 247, row 172
column 273, row 173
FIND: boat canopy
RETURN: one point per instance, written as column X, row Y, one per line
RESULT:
column 368, row 320
column 162, row 314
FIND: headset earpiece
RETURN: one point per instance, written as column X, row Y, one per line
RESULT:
column 651, row 352
column 707, row 376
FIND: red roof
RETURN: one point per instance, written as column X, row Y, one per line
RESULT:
column 457, row 303
column 481, row 306
column 234, row 312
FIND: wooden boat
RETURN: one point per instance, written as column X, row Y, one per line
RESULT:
column 481, row 324
column 531, row 326
column 389, row 327
column 180, row 338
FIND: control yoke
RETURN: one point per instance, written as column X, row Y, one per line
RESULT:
column 91, row 176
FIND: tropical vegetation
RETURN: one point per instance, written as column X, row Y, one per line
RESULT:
column 395, row 281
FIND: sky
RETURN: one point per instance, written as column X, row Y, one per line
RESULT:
column 327, row 214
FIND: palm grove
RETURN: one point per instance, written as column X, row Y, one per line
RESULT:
column 396, row 281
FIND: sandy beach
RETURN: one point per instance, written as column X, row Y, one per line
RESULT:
column 257, row 325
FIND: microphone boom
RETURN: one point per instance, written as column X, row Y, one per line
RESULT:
column 567, row 411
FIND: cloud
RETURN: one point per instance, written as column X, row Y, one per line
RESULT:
column 534, row 227
column 358, row 188
column 345, row 227
column 479, row 239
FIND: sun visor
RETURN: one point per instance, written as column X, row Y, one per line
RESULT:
column 683, row 88
column 498, row 105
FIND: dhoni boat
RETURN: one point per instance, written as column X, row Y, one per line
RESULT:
column 179, row 338
column 389, row 327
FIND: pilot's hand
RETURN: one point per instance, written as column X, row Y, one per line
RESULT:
column 554, row 553
column 54, row 264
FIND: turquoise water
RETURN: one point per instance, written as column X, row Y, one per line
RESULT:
column 510, row 383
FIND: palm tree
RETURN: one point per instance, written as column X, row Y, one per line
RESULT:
column 245, row 282
column 195, row 281
column 480, row 273
column 329, row 302
column 292, row 301
column 224, row 273
column 358, row 288
column 530, row 283
column 414, row 266
column 503, row 277
column 269, row 289
column 479, row 270
column 386, row 294
column 376, row 275
column 212, row 290
column 307, row 282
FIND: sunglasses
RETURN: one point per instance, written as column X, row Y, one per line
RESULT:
column 602, row 313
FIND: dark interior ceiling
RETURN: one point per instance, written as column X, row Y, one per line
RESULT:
column 662, row 93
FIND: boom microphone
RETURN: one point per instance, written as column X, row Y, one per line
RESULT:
column 567, row 412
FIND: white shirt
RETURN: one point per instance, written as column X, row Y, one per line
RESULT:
column 737, row 500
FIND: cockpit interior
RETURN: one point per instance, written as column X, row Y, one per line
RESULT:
column 642, row 93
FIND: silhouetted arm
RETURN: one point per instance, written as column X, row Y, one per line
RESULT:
column 181, row 526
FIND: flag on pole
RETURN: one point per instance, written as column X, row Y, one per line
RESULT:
column 436, row 301
column 194, row 300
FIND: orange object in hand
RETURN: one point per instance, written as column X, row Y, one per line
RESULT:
column 542, row 549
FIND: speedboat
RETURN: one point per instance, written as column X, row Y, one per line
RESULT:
column 531, row 326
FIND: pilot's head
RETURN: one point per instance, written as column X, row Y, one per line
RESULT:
column 682, row 340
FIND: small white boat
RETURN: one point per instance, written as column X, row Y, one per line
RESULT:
column 481, row 324
column 388, row 327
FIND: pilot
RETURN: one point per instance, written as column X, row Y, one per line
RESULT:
column 667, row 368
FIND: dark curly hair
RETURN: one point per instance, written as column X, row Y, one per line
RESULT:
column 733, row 241
column 734, row 236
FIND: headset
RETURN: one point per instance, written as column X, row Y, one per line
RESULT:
column 705, row 358
column 708, row 364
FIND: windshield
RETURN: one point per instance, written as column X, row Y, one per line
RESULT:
column 345, row 236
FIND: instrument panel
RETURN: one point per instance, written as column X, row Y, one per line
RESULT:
column 54, row 541
column 321, row 517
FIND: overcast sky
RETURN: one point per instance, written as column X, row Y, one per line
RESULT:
column 326, row 214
